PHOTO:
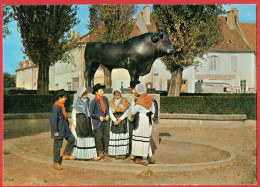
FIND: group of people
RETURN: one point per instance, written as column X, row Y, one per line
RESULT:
column 101, row 128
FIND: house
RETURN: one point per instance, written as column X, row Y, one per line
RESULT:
column 27, row 75
column 231, row 62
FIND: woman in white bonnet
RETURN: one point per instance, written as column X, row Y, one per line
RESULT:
column 119, row 127
column 84, row 147
column 141, row 146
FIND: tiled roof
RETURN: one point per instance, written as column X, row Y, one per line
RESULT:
column 136, row 31
column 249, row 31
column 232, row 40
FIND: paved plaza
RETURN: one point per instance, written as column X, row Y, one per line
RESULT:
column 185, row 155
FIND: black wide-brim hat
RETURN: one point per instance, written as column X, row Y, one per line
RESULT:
column 97, row 87
column 60, row 93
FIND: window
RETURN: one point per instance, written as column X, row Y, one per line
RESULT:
column 75, row 83
column 213, row 63
column 56, row 86
column 69, row 86
column 238, row 90
column 243, row 86
column 234, row 63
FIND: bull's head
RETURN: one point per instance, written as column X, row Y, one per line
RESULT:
column 165, row 46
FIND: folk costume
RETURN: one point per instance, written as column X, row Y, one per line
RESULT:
column 84, row 146
column 119, row 134
column 60, row 124
column 132, row 118
column 144, row 105
column 99, row 106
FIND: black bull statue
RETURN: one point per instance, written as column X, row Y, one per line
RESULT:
column 136, row 54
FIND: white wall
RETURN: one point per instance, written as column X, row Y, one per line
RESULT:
column 64, row 72
column 246, row 70
column 158, row 75
column 27, row 78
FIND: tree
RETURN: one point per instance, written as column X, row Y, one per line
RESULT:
column 9, row 80
column 193, row 30
column 111, row 23
column 44, row 31
column 7, row 18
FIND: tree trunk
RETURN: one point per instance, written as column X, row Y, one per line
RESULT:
column 107, row 78
column 176, row 83
column 43, row 79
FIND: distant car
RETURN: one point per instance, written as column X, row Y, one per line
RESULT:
column 162, row 93
column 211, row 87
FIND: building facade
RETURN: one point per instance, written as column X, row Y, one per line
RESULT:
column 232, row 62
column 27, row 75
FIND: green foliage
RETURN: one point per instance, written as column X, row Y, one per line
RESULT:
column 111, row 22
column 7, row 18
column 32, row 103
column 9, row 80
column 237, row 104
column 44, row 31
column 193, row 30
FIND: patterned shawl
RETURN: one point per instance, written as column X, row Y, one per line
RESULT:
column 82, row 106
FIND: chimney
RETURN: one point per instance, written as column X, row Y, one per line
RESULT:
column 20, row 65
column 73, row 33
column 78, row 36
column 232, row 18
column 26, row 63
column 146, row 15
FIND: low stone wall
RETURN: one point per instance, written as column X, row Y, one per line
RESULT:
column 16, row 125
column 206, row 120
column 217, row 117
column 35, row 120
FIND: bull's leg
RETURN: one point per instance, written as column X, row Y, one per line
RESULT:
column 92, row 73
column 137, row 77
column 134, row 76
column 88, row 74
column 86, row 79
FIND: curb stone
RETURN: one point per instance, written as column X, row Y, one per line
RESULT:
column 128, row 167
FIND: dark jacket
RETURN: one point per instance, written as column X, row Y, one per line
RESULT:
column 96, row 112
column 59, row 123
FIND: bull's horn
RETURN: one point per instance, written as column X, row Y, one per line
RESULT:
column 161, row 35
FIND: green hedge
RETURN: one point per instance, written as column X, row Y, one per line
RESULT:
column 210, row 105
column 187, row 105
column 32, row 103
column 32, row 92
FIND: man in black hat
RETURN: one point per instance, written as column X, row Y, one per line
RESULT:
column 60, row 130
column 99, row 111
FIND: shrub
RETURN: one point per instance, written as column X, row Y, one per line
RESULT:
column 210, row 105
column 32, row 103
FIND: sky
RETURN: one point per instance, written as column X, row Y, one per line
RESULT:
column 12, row 46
